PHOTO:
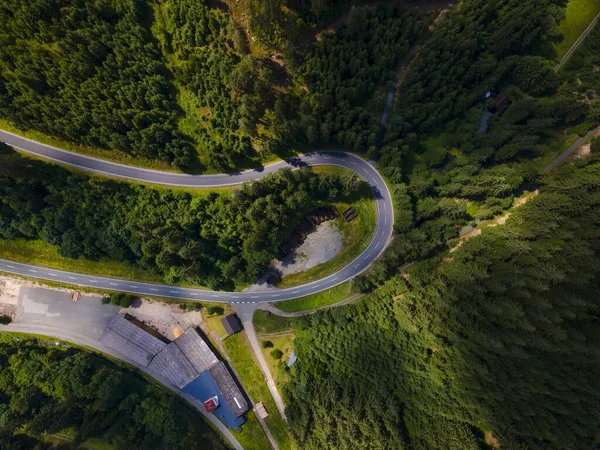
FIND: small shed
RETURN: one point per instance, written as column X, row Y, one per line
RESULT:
column 501, row 103
column 292, row 360
column 231, row 324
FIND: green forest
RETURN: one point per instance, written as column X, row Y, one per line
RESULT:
column 46, row 388
column 207, row 239
column 496, row 344
column 183, row 83
column 493, row 345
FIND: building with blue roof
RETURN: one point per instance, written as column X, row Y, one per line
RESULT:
column 187, row 362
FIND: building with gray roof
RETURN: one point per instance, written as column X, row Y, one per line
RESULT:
column 187, row 362
column 173, row 365
column 131, row 341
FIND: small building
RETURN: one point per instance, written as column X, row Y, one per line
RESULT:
column 292, row 360
column 260, row 410
column 231, row 324
column 501, row 103
column 211, row 404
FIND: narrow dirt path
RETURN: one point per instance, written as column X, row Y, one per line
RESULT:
column 401, row 71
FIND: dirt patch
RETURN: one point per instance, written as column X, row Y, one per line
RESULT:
column 320, row 246
column 525, row 198
column 469, row 235
column 491, row 440
column 9, row 292
column 164, row 317
column 583, row 152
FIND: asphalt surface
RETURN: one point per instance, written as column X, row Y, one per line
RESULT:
column 383, row 228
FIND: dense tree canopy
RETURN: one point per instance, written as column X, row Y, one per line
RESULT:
column 212, row 240
column 48, row 389
column 501, row 338
column 88, row 72
column 343, row 71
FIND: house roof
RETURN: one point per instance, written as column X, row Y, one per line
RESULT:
column 229, row 389
column 196, row 350
column 231, row 323
column 204, row 387
column 172, row 364
column 131, row 341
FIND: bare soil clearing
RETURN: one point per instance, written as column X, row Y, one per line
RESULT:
column 164, row 317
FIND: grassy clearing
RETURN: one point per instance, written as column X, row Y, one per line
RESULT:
column 43, row 254
column 69, row 434
column 320, row 299
column 356, row 235
column 271, row 324
column 578, row 15
column 239, row 351
column 278, row 367
column 252, row 436
column 109, row 155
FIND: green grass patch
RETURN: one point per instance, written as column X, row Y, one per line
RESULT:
column 578, row 15
column 356, row 235
column 239, row 351
column 318, row 300
column 69, row 434
column 271, row 324
column 278, row 367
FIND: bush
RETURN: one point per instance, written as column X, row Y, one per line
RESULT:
column 267, row 344
column 276, row 354
column 120, row 299
column 215, row 310
column 193, row 307
column 5, row 320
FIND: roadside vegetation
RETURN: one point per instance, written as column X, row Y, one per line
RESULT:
column 271, row 324
column 47, row 388
column 242, row 357
column 221, row 242
column 325, row 298
column 578, row 15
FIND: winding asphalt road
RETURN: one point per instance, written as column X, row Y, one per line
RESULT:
column 383, row 228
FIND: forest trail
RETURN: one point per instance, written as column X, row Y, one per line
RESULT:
column 422, row 7
column 402, row 69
